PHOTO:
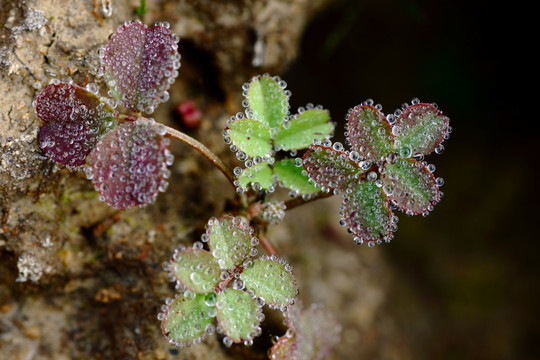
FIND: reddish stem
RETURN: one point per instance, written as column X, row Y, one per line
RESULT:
column 291, row 204
column 267, row 245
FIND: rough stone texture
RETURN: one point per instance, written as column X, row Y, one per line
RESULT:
column 79, row 279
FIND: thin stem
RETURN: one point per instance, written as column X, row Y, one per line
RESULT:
column 291, row 204
column 207, row 153
column 141, row 9
column 267, row 245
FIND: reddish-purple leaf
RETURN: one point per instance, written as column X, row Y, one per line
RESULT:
column 139, row 64
column 284, row 348
column 330, row 168
column 419, row 129
column 369, row 133
column 411, row 186
column 74, row 121
column 367, row 214
column 129, row 165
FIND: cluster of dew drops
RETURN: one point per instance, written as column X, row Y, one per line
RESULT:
column 154, row 96
column 128, row 175
column 76, row 137
column 392, row 157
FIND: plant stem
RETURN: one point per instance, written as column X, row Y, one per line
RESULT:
column 267, row 244
column 207, row 153
column 291, row 204
column 141, row 9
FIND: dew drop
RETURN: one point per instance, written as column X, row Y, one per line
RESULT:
column 227, row 341
column 405, row 152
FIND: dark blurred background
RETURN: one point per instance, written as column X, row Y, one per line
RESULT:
column 466, row 276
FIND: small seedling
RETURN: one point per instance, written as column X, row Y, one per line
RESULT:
column 268, row 128
column 126, row 155
column 384, row 168
column 223, row 288
column 224, row 283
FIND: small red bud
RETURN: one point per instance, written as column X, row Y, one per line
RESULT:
column 190, row 116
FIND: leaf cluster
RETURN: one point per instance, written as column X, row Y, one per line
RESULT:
column 384, row 170
column 226, row 284
column 126, row 156
column 268, row 128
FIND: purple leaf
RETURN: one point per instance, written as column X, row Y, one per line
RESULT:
column 411, row 186
column 129, row 165
column 74, row 121
column 331, row 168
column 419, row 129
column 140, row 64
column 369, row 133
column 367, row 214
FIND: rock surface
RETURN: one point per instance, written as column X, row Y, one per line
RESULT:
column 81, row 280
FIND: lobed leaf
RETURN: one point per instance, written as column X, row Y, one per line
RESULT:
column 419, row 129
column 268, row 101
column 229, row 239
column 303, row 129
column 74, row 119
column 196, row 270
column 331, row 168
column 410, row 185
column 250, row 136
column 260, row 174
column 237, row 314
column 129, row 165
column 367, row 214
column 270, row 280
column 139, row 65
column 369, row 133
column 292, row 177
column 187, row 318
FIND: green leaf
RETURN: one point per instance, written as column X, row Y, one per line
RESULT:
column 270, row 280
column 250, row 136
column 367, row 213
column 237, row 314
column 268, row 101
column 187, row 318
column 291, row 176
column 331, row 168
column 411, row 186
column 419, row 129
column 229, row 239
column 261, row 174
column 196, row 269
column 304, row 128
column 369, row 133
